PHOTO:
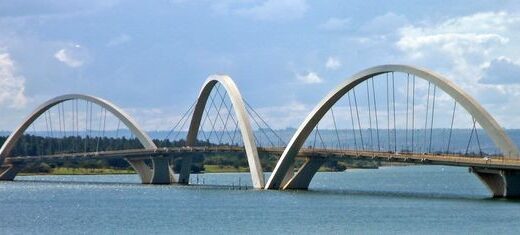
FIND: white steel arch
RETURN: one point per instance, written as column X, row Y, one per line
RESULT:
column 486, row 121
column 243, row 123
column 144, row 171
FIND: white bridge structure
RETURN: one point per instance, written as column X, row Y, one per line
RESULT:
column 221, row 121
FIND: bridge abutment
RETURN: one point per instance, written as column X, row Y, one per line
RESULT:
column 502, row 183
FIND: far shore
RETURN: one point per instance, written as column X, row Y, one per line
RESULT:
column 111, row 171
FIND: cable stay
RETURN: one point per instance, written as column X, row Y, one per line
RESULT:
column 451, row 126
column 358, row 120
column 470, row 137
column 431, row 125
column 369, row 116
column 426, row 118
column 407, row 109
column 182, row 120
column 352, row 120
column 335, row 128
column 375, row 112
column 413, row 113
column 393, row 104
column 281, row 141
column 388, row 112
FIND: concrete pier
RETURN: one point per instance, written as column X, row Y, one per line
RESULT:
column 502, row 183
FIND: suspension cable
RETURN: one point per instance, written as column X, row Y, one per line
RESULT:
column 393, row 103
column 413, row 112
column 315, row 136
column 407, row 108
column 388, row 112
column 427, row 116
column 99, row 129
column 217, row 110
column 90, row 121
column 358, row 119
column 180, row 120
column 335, row 127
column 229, row 109
column 321, row 138
column 228, row 114
column 478, row 141
column 60, row 140
column 259, row 127
column 205, row 114
column 86, row 125
column 451, row 126
column 375, row 112
column 235, row 132
column 265, row 123
column 431, row 125
column 470, row 137
column 212, row 105
column 221, row 119
column 77, row 117
column 104, row 122
column 369, row 117
column 352, row 119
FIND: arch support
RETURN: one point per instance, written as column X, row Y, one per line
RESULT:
column 243, row 122
column 304, row 175
column 145, row 172
column 486, row 121
column 9, row 171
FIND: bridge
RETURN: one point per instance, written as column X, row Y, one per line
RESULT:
column 413, row 124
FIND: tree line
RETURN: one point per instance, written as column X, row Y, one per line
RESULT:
column 32, row 145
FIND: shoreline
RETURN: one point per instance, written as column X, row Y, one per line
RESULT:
column 110, row 171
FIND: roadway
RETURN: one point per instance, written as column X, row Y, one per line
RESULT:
column 490, row 162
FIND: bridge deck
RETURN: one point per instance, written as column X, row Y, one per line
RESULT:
column 493, row 162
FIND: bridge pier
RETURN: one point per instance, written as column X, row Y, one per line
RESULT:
column 162, row 172
column 159, row 173
column 502, row 183
column 185, row 171
column 8, row 172
column 304, row 175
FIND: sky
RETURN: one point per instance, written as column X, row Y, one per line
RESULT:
column 151, row 57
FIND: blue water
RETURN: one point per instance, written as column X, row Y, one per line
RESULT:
column 418, row 200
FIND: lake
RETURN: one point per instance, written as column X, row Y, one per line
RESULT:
column 413, row 199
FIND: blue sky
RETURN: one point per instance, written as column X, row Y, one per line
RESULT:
column 152, row 57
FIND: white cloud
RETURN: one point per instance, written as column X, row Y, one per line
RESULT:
column 121, row 39
column 335, row 24
column 501, row 71
column 276, row 10
column 12, row 86
column 333, row 63
column 463, row 43
column 385, row 24
column 286, row 115
column 72, row 56
column 457, row 37
column 309, row 78
column 480, row 52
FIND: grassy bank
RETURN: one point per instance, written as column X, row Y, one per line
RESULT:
column 223, row 169
column 83, row 171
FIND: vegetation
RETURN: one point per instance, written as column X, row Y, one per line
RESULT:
column 30, row 145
